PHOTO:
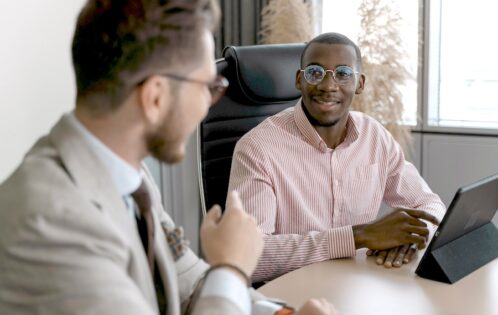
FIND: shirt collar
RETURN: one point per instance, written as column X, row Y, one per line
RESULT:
column 312, row 136
column 126, row 178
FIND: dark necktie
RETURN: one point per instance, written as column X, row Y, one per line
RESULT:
column 145, row 223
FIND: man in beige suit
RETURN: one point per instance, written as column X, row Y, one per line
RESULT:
column 82, row 229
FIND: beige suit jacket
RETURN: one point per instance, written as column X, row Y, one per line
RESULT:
column 68, row 245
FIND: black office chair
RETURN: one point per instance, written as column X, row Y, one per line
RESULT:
column 261, row 84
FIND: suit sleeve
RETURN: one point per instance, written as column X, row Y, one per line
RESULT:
column 190, row 268
column 63, row 262
column 215, row 298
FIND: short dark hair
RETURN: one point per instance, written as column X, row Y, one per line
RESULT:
column 333, row 38
column 119, row 43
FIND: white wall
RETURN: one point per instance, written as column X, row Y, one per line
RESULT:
column 37, row 86
column 36, row 77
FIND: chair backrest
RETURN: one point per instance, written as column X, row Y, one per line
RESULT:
column 261, row 84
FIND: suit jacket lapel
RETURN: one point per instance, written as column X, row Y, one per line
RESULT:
column 165, row 261
column 91, row 177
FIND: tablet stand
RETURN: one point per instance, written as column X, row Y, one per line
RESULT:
column 458, row 258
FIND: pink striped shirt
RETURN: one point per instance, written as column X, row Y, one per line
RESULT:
column 306, row 197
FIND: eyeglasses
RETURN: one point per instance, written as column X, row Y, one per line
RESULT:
column 315, row 74
column 217, row 87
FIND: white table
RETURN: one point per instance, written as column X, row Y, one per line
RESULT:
column 357, row 286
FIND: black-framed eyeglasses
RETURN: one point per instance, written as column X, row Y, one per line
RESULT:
column 217, row 87
column 343, row 75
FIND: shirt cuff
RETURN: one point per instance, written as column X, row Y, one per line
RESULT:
column 224, row 284
column 341, row 242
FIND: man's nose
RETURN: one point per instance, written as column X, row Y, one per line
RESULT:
column 328, row 83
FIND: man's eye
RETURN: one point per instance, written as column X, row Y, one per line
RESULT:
column 344, row 73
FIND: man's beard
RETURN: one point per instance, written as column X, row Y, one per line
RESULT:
column 158, row 144
column 162, row 150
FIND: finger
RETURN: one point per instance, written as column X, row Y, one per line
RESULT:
column 323, row 302
column 213, row 216
column 381, row 257
column 419, row 214
column 409, row 255
column 401, row 255
column 422, row 231
column 415, row 222
column 234, row 201
column 373, row 252
column 210, row 221
column 418, row 240
column 411, row 219
column 325, row 306
column 333, row 310
column 393, row 253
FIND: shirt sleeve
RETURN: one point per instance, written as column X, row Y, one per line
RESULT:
column 224, row 284
column 405, row 188
column 283, row 252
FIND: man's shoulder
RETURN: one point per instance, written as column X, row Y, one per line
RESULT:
column 368, row 125
column 364, row 119
column 39, row 186
column 275, row 126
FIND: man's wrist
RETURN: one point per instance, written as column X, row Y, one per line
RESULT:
column 359, row 235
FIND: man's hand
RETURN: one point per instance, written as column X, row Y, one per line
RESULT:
column 317, row 307
column 400, row 227
column 394, row 257
column 233, row 238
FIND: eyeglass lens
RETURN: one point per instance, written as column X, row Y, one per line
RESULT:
column 343, row 75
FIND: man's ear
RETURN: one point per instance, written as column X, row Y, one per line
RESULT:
column 298, row 79
column 361, row 84
column 153, row 96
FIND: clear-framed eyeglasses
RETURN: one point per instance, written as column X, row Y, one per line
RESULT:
column 343, row 75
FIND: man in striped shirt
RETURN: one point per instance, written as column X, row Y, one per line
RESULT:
column 314, row 176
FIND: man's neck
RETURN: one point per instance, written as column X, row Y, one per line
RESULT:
column 333, row 136
column 115, row 132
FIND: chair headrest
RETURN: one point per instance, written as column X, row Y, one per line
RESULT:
column 265, row 73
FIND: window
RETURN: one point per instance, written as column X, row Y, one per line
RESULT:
column 463, row 67
column 343, row 17
column 461, row 59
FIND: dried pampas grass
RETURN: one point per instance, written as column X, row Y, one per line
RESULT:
column 286, row 21
column 383, row 65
